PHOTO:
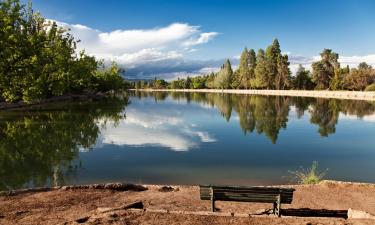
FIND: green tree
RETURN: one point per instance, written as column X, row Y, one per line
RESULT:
column 282, row 79
column 260, row 80
column 244, row 70
column 273, row 54
column 252, row 61
column 39, row 59
column 359, row 78
column 224, row 78
column 324, row 70
column 302, row 80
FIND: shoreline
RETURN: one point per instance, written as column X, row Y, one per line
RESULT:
column 117, row 203
column 348, row 95
column 24, row 106
column 117, row 186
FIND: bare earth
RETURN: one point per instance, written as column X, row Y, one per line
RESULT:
column 183, row 205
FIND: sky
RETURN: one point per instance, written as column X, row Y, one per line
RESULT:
column 175, row 38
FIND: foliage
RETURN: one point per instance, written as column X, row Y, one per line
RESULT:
column 309, row 176
column 302, row 80
column 224, row 77
column 324, row 70
column 359, row 78
column 39, row 59
column 371, row 87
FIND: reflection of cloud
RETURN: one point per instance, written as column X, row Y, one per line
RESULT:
column 370, row 118
column 161, row 128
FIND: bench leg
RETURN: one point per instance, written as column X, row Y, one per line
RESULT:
column 212, row 200
column 276, row 206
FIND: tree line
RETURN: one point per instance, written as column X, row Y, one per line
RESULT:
column 39, row 59
column 269, row 69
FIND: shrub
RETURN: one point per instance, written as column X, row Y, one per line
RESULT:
column 371, row 87
column 310, row 175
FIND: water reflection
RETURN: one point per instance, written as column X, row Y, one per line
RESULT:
column 232, row 139
column 41, row 146
column 269, row 114
column 161, row 127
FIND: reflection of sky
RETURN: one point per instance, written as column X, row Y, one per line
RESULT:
column 156, row 126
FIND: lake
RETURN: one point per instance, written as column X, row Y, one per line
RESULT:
column 187, row 138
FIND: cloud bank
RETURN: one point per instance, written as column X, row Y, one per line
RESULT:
column 161, row 52
column 147, row 52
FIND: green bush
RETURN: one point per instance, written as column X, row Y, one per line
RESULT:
column 371, row 87
column 309, row 176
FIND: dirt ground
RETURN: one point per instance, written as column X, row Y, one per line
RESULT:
column 67, row 206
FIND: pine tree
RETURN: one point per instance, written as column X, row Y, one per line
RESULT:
column 244, row 70
column 252, row 65
column 273, row 53
column 224, row 78
column 282, row 80
column 260, row 80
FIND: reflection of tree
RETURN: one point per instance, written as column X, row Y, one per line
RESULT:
column 268, row 114
column 358, row 108
column 39, row 147
column 302, row 104
column 325, row 113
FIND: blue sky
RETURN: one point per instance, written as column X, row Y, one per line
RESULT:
column 198, row 35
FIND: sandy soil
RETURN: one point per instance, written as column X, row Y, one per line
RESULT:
column 66, row 206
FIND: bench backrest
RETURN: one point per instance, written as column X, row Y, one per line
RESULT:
column 246, row 194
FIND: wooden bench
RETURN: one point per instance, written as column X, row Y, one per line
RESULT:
column 247, row 194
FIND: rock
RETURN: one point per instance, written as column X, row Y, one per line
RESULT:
column 166, row 189
column 357, row 214
column 83, row 219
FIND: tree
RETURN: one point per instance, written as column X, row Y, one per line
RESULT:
column 303, row 81
column 282, row 79
column 324, row 70
column 273, row 54
column 260, row 80
column 244, row 70
column 359, row 78
column 39, row 59
column 224, row 78
column 252, row 65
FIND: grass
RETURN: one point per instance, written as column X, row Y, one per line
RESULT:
column 310, row 175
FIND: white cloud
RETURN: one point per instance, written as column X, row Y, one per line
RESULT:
column 366, row 118
column 203, row 38
column 306, row 62
column 138, row 47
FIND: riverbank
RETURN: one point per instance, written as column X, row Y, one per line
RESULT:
column 70, row 97
column 108, row 204
column 352, row 95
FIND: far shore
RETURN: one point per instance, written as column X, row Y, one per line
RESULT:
column 352, row 95
column 157, row 204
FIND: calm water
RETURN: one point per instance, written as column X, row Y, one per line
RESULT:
column 187, row 139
